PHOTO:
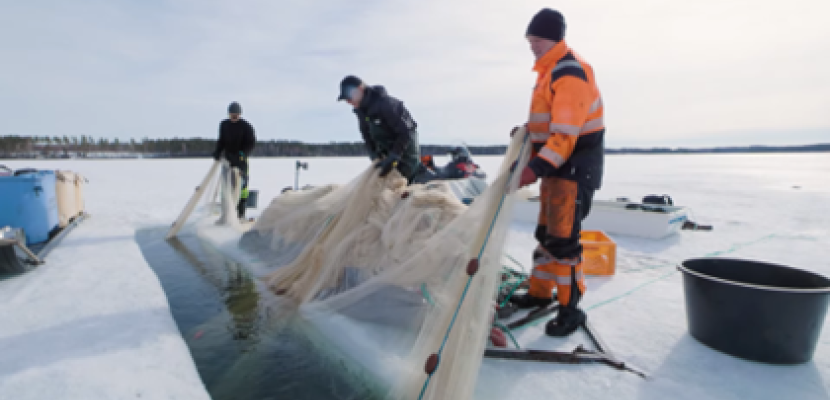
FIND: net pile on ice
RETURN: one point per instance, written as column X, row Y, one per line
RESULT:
column 396, row 276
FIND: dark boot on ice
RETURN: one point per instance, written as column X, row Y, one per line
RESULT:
column 528, row 301
column 566, row 322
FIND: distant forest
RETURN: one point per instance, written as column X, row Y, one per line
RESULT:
column 13, row 146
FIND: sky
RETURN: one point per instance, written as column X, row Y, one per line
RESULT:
column 672, row 73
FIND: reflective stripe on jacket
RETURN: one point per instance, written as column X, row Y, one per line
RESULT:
column 566, row 119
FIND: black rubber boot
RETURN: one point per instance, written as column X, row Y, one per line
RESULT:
column 570, row 317
column 240, row 208
column 528, row 301
column 566, row 322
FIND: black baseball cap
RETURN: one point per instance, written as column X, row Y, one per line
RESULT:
column 346, row 85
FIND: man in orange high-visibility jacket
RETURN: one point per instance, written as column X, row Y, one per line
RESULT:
column 566, row 128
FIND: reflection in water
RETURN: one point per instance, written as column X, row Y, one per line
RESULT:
column 237, row 288
column 245, row 343
column 241, row 300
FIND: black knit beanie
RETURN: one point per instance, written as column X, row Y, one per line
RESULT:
column 234, row 108
column 547, row 24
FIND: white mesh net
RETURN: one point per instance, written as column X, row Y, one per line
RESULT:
column 379, row 270
column 221, row 196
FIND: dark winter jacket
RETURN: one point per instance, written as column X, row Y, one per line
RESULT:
column 387, row 128
column 235, row 137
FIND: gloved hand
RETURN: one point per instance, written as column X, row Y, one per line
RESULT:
column 528, row 177
column 217, row 155
column 385, row 166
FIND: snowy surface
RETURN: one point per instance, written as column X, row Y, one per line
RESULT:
column 640, row 312
column 94, row 322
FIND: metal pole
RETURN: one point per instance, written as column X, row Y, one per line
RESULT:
column 297, row 174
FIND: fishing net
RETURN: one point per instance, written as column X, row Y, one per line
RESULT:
column 402, row 279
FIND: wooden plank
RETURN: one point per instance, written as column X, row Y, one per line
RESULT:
column 188, row 209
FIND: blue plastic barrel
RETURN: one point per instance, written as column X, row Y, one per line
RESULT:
column 28, row 201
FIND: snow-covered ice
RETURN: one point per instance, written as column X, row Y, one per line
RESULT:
column 757, row 213
column 93, row 323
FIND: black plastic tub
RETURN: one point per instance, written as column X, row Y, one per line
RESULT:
column 754, row 310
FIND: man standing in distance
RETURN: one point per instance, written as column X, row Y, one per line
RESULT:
column 236, row 142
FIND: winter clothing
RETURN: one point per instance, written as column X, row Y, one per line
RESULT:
column 557, row 274
column 236, row 142
column 567, row 130
column 388, row 129
column 570, row 317
column 566, row 119
column 243, row 198
column 547, row 24
column 347, row 85
column 563, row 206
column 234, row 108
column 386, row 165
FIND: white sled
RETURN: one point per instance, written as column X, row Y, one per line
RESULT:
column 618, row 217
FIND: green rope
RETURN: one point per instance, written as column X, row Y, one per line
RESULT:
column 426, row 294
column 510, row 294
column 626, row 294
column 740, row 246
column 507, row 331
column 516, row 262
column 517, row 279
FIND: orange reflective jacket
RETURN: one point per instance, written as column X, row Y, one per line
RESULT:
column 566, row 118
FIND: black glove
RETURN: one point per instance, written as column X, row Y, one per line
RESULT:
column 385, row 166
column 217, row 155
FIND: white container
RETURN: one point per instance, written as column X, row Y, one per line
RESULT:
column 65, row 191
column 621, row 218
column 80, row 182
